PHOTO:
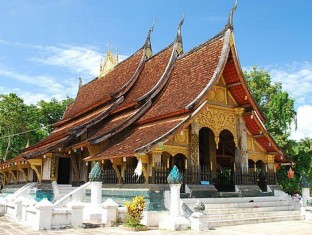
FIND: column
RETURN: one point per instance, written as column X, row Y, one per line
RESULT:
column 241, row 156
column 156, row 158
column 194, row 145
column 213, row 156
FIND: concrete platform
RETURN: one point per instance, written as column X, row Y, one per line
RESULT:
column 287, row 227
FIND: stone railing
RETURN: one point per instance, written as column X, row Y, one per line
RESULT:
column 76, row 195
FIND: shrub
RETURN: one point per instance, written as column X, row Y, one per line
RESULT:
column 135, row 211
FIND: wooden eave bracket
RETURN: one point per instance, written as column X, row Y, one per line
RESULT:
column 34, row 164
column 11, row 171
column 264, row 133
column 233, row 84
column 22, row 170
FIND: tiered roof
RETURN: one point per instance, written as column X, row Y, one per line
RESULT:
column 147, row 99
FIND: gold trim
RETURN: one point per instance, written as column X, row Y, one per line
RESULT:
column 14, row 176
column 21, row 169
column 34, row 163
column 145, row 174
column 93, row 149
column 218, row 119
column 118, row 173
column 172, row 150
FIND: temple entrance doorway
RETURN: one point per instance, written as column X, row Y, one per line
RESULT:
column 261, row 178
column 225, row 162
column 207, row 148
column 180, row 161
column 166, row 160
column 63, row 173
column 35, row 177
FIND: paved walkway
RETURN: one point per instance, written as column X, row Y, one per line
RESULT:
column 276, row 228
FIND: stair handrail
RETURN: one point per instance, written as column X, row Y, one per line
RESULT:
column 77, row 194
column 21, row 191
column 282, row 194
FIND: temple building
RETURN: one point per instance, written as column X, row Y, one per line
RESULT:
column 192, row 109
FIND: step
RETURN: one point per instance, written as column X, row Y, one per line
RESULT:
column 219, row 223
column 236, row 216
column 91, row 223
column 243, row 205
column 249, row 204
column 232, row 200
column 248, row 210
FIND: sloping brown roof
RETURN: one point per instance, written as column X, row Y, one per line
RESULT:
column 153, row 69
column 65, row 130
column 99, row 90
column 160, row 92
column 237, row 85
column 189, row 77
column 140, row 137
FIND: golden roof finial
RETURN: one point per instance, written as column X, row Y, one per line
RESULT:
column 109, row 63
column 179, row 37
column 230, row 20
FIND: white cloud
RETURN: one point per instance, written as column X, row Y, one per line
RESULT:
column 28, row 97
column 82, row 60
column 5, row 42
column 296, row 79
column 304, row 126
column 77, row 59
column 42, row 87
column 50, row 84
column 74, row 58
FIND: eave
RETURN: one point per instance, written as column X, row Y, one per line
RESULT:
column 259, row 133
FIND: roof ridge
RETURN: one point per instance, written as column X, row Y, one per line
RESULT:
column 210, row 40
column 146, row 99
column 220, row 66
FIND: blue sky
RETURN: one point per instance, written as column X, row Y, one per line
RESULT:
column 46, row 45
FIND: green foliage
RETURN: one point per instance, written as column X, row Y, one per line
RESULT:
column 300, row 153
column 279, row 110
column 21, row 123
column 12, row 114
column 50, row 112
column 135, row 211
column 274, row 102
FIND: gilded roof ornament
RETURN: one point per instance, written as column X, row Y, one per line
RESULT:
column 230, row 20
column 80, row 82
column 179, row 37
column 109, row 63
column 148, row 45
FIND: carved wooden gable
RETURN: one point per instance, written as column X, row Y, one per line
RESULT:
column 220, row 95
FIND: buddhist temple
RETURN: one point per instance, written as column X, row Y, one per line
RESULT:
column 192, row 109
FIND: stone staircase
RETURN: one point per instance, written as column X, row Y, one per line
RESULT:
column 247, row 210
column 65, row 189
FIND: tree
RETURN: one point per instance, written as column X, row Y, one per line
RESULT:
column 12, row 120
column 278, row 107
column 21, row 123
column 300, row 153
column 51, row 112
column 274, row 102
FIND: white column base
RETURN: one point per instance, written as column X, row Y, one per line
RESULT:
column 96, row 193
column 175, row 223
column 198, row 222
column 305, row 195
